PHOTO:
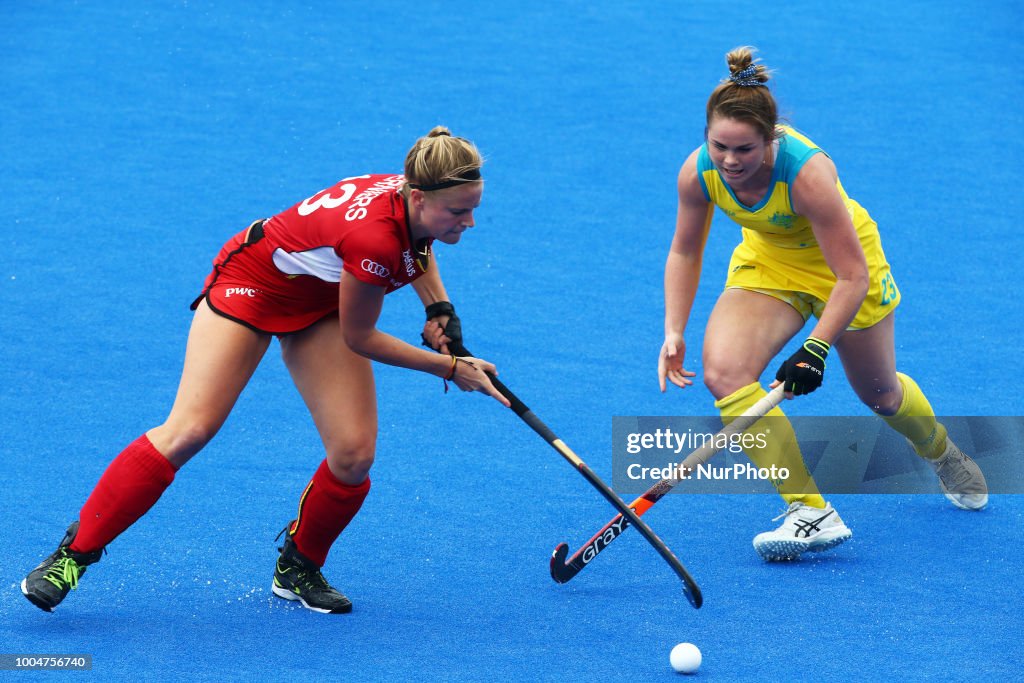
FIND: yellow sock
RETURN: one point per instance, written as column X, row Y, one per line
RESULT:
column 916, row 420
column 781, row 450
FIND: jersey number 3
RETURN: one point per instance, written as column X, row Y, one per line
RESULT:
column 324, row 199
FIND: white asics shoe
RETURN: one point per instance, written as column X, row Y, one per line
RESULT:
column 805, row 529
column 960, row 478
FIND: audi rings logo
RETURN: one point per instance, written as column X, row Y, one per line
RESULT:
column 375, row 268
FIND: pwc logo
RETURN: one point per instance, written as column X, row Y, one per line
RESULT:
column 240, row 291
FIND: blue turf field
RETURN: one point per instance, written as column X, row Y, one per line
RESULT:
column 135, row 141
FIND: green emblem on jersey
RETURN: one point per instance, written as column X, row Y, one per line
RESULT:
column 783, row 220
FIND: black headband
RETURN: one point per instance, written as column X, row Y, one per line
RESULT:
column 466, row 177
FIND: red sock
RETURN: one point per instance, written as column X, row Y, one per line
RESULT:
column 132, row 483
column 326, row 508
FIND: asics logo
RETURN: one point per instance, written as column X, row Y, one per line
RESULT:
column 808, row 527
column 375, row 268
column 239, row 291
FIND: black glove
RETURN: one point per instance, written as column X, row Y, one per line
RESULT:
column 803, row 371
column 453, row 328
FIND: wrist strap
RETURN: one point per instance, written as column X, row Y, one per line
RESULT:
column 817, row 347
column 440, row 308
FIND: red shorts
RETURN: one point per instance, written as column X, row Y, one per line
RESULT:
column 246, row 287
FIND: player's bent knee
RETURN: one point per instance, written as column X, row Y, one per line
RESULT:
column 178, row 443
column 722, row 382
column 351, row 463
column 881, row 401
column 883, row 404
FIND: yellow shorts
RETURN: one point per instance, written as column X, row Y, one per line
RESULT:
column 802, row 279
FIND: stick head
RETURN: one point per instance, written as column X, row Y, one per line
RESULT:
column 560, row 571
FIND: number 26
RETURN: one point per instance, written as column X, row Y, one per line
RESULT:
column 889, row 291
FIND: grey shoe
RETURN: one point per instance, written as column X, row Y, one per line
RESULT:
column 960, row 478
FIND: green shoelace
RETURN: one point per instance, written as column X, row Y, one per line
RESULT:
column 64, row 573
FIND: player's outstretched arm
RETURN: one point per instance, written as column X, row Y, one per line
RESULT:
column 682, row 273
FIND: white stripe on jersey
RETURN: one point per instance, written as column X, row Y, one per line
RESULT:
column 321, row 262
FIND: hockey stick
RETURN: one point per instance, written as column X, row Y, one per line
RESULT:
column 690, row 587
column 562, row 571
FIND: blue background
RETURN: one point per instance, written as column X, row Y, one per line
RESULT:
column 136, row 140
